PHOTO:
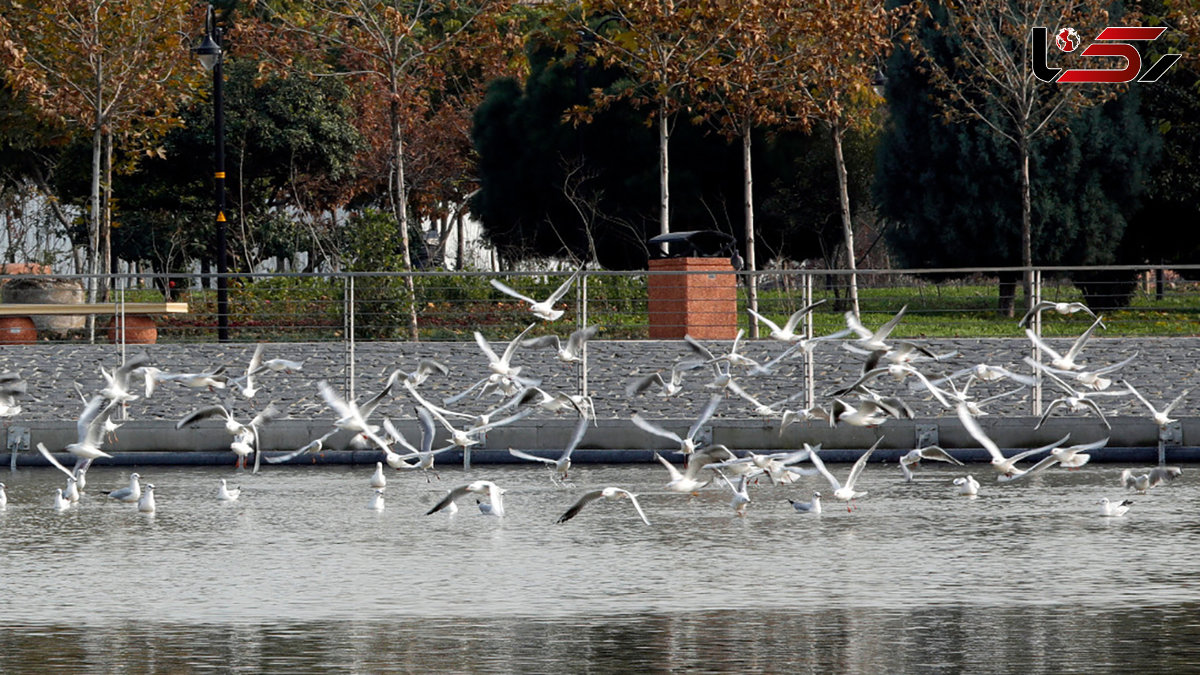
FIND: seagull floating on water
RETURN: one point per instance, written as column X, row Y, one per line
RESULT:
column 376, row 503
column 129, row 494
column 1109, row 509
column 228, row 494
column 966, row 486
column 146, row 503
column 813, row 507
column 1155, row 477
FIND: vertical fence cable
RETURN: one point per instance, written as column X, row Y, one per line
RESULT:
column 582, row 375
column 1036, row 288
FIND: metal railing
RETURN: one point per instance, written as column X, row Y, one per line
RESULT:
column 451, row 306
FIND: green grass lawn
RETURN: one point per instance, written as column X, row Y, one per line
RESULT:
column 452, row 308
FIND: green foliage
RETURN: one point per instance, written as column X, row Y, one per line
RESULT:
column 950, row 189
column 372, row 244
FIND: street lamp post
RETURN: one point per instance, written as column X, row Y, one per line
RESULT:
column 211, row 57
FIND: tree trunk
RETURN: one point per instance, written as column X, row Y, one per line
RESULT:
column 664, row 190
column 1026, row 227
column 106, row 260
column 400, row 210
column 461, row 252
column 751, row 262
column 847, row 224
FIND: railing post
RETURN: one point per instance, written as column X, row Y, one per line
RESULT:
column 1036, row 290
column 809, row 370
column 582, row 298
column 348, row 342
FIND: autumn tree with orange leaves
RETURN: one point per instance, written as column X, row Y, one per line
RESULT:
column 848, row 41
column 662, row 45
column 114, row 71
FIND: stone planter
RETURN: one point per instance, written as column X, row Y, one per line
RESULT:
column 17, row 330
column 46, row 291
column 139, row 330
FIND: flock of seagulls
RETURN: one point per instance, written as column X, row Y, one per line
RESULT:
column 893, row 373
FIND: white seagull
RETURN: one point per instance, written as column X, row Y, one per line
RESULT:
column 563, row 463
column 687, row 444
column 129, row 494
column 480, row 487
column 1161, row 417
column 1063, row 361
column 1005, row 467
column 378, row 480
column 3, row 496
column 846, row 492
column 966, row 486
column 61, row 503
column 686, row 480
column 572, row 352
column 146, row 503
column 873, row 341
column 1060, row 307
column 1071, row 457
column 1114, row 509
column 545, row 309
column 612, row 493
column 788, row 332
column 932, row 452
column 228, row 494
column 813, row 507
column 741, row 493
column 1154, row 478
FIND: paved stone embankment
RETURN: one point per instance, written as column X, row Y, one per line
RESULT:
column 1163, row 368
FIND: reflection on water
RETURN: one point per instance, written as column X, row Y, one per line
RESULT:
column 298, row 576
column 950, row 639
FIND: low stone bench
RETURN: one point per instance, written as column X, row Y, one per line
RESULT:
column 16, row 326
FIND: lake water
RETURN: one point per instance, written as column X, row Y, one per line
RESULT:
column 299, row 576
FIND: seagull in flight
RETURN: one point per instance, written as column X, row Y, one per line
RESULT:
column 845, row 492
column 90, row 434
column 572, row 351
column 1155, row 477
column 788, row 332
column 1070, row 457
column 545, row 309
column 1161, row 417
column 1064, row 361
column 1075, row 400
column 610, row 493
column 1060, row 307
column 873, row 341
column 1005, row 467
column 932, row 452
column 683, row 481
column 479, row 487
column 563, row 463
column 687, row 444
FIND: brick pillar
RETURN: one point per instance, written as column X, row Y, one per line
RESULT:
column 701, row 303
